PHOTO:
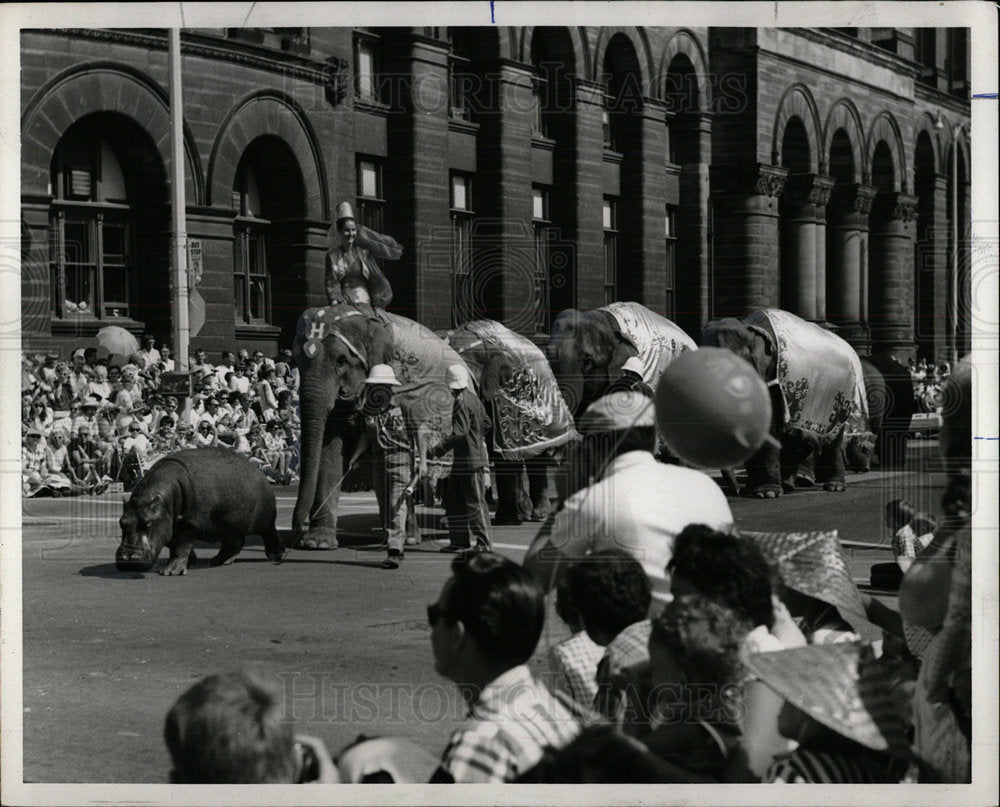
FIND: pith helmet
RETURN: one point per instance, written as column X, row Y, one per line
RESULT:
column 458, row 377
column 632, row 363
column 382, row 374
column 713, row 408
column 345, row 211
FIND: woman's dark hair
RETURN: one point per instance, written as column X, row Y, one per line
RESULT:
column 500, row 604
column 727, row 569
column 284, row 397
column 610, row 590
column 898, row 513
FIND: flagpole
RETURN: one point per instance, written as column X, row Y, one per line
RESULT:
column 178, row 208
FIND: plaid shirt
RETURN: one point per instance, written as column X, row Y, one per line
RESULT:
column 509, row 727
column 629, row 649
column 574, row 664
column 31, row 461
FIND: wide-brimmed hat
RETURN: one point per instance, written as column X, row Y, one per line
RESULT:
column 382, row 374
column 811, row 563
column 616, row 412
column 843, row 686
column 33, row 433
column 457, row 376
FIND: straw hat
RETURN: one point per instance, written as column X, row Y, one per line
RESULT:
column 811, row 563
column 616, row 412
column 842, row 686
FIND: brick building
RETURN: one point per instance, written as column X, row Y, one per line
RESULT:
column 704, row 172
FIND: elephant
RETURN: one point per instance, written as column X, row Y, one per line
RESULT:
column 334, row 349
column 817, row 395
column 891, row 405
column 529, row 417
column 587, row 349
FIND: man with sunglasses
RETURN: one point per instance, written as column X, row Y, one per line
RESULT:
column 485, row 626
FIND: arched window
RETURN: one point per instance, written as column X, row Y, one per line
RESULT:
column 92, row 254
column 251, row 285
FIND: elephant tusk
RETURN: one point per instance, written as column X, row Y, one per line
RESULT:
column 772, row 441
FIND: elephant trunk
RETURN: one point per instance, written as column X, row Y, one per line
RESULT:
column 317, row 397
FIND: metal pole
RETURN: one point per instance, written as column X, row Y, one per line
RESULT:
column 178, row 218
column 955, row 224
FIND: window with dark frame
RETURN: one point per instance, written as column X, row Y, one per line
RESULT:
column 610, row 222
column 539, row 91
column 541, row 226
column 251, row 281
column 91, row 248
column 370, row 202
column 462, row 213
column 669, row 267
column 365, row 68
column 606, row 125
column 459, row 87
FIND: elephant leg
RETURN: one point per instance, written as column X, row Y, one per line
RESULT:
column 538, row 487
column 796, row 463
column 764, row 473
column 322, row 532
column 830, row 465
column 508, row 481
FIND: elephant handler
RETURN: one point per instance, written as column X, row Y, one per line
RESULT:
column 465, row 499
column 636, row 504
column 394, row 438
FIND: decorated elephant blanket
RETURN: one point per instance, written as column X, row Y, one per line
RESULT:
column 658, row 340
column 421, row 359
column 528, row 411
column 823, row 396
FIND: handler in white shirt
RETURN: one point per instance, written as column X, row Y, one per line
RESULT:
column 637, row 505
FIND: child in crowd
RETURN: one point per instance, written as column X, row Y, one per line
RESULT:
column 573, row 661
column 230, row 729
column 912, row 533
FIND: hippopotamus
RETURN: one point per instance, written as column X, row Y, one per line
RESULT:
column 200, row 494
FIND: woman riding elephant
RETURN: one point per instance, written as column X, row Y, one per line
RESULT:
column 587, row 349
column 817, row 389
column 529, row 417
column 335, row 347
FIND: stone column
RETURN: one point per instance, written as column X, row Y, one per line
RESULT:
column 745, row 246
column 847, row 228
column 644, row 183
column 822, row 187
column 691, row 272
column 800, row 257
column 890, row 285
column 932, row 268
column 586, row 229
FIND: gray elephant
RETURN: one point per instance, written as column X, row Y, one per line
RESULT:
column 334, row 349
column 817, row 395
column 588, row 348
column 529, row 416
column 891, row 405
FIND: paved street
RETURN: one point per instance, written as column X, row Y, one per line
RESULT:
column 106, row 653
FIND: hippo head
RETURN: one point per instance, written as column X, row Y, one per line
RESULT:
column 146, row 527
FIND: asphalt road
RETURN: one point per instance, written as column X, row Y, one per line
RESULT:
column 107, row 653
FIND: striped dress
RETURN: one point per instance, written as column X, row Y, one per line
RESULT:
column 841, row 764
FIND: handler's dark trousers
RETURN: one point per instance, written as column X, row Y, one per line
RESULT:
column 465, row 506
column 390, row 475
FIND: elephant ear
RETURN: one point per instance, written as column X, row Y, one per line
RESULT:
column 763, row 352
column 496, row 373
column 622, row 349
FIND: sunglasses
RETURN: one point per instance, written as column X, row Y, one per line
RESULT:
column 434, row 613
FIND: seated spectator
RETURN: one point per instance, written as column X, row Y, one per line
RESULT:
column 839, row 710
column 574, row 661
column 41, row 416
column 62, row 393
column 275, row 451
column 133, row 450
column 695, row 666
column 200, row 362
column 79, row 376
column 239, row 382
column 185, row 435
column 224, row 432
column 611, row 592
column 166, row 359
column 164, row 440
column 57, row 471
column 100, row 388
column 485, row 626
column 230, row 729
column 205, row 436
column 32, row 462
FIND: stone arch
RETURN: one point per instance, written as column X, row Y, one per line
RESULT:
column 99, row 87
column 268, row 113
column 885, row 128
column 684, row 42
column 797, row 102
column 640, row 44
column 844, row 115
column 948, row 139
column 924, row 124
column 580, row 64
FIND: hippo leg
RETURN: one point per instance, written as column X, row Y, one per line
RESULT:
column 273, row 547
column 180, row 552
column 830, row 466
column 230, row 549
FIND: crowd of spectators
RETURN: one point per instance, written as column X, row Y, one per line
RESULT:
column 927, row 382
column 92, row 422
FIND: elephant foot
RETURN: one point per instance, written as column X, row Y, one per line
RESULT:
column 319, row 538
column 175, row 567
column 766, row 491
column 804, row 482
column 788, row 485
column 834, row 487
